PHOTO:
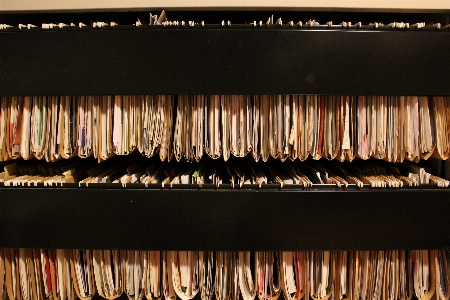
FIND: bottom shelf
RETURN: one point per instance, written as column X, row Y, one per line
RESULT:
column 224, row 220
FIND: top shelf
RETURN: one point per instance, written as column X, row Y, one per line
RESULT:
column 224, row 60
column 119, row 5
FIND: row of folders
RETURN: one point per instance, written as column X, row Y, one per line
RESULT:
column 38, row 274
column 284, row 127
column 135, row 170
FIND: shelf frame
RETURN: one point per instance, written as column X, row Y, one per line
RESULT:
column 224, row 220
column 246, row 60
column 215, row 60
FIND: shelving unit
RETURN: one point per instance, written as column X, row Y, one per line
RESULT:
column 240, row 59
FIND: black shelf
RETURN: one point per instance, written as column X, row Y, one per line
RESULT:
column 214, row 60
column 239, row 220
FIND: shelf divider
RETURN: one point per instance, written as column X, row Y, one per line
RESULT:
column 227, row 220
column 224, row 61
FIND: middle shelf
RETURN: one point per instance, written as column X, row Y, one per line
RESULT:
column 224, row 220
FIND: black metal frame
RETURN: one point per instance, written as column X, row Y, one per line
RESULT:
column 237, row 220
column 215, row 60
